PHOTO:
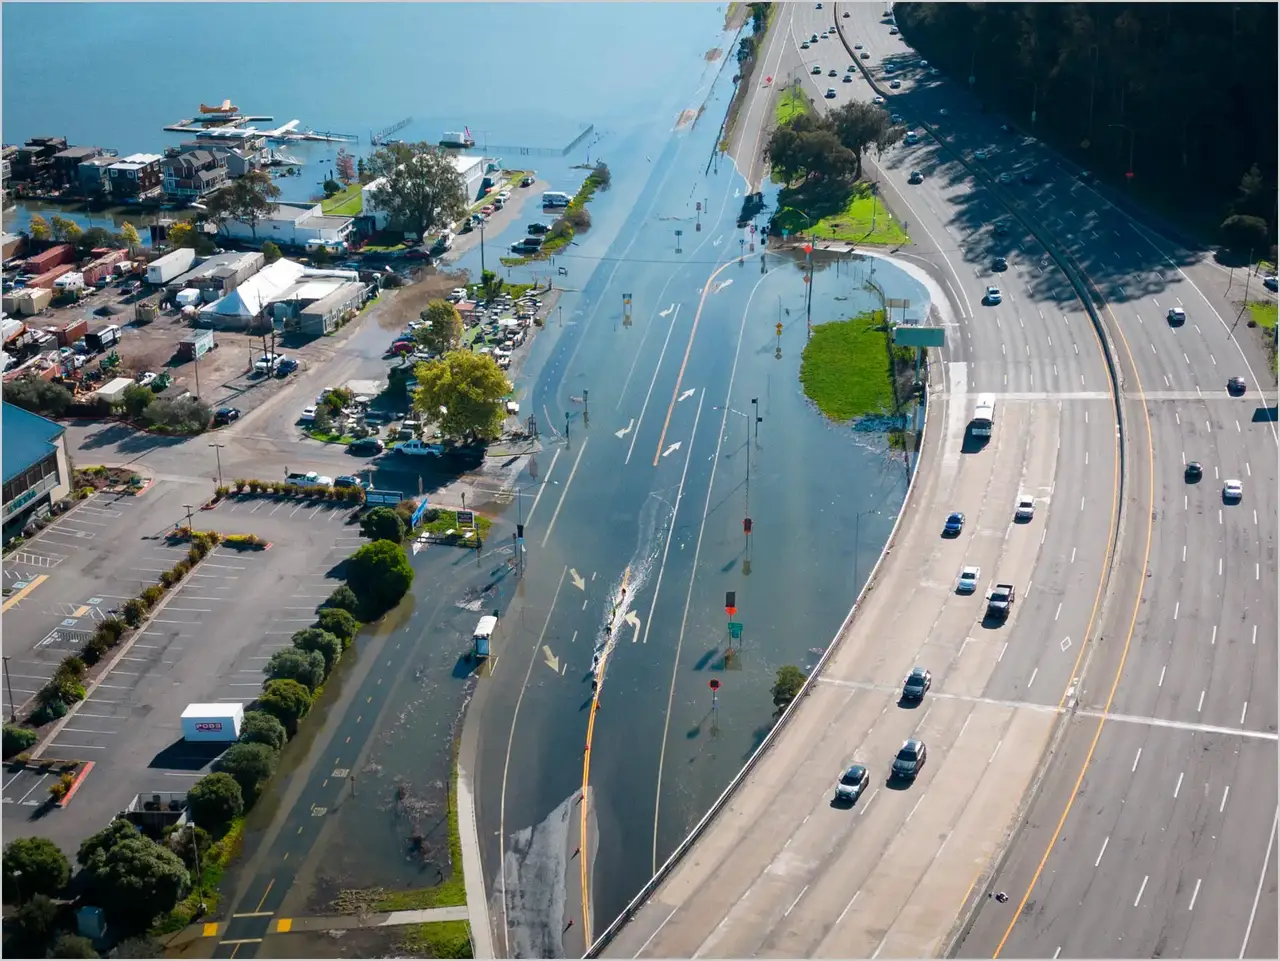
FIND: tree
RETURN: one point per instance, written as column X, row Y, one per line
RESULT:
column 184, row 234
column 191, row 843
column 219, row 207
column 250, row 764
column 96, row 237
column 104, row 840
column 343, row 598
column 140, row 947
column 39, row 228
column 346, row 166
column 130, row 234
column 423, row 189
column 259, row 727
column 216, row 800
column 136, row 879
column 34, row 866
column 462, row 392
column 858, row 125
column 362, row 174
column 305, row 667
column 137, row 399
column 64, row 229
column 380, row 575
column 330, row 187
column 313, row 640
column 18, row 739
column 340, row 623
column 1244, row 232
column 36, row 918
column 38, row 396
column 601, row 176
column 443, row 327
column 251, row 199
column 184, row 416
column 270, row 252
column 789, row 681
column 382, row 524
column 73, row 946
column 287, row 700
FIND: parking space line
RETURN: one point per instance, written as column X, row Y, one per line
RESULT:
column 118, row 687
column 81, row 730
column 39, row 781
column 79, row 747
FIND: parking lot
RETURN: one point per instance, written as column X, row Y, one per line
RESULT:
column 209, row 642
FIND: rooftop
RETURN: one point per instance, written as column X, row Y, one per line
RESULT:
column 28, row 439
column 79, row 152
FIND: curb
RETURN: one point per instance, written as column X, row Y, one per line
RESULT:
column 75, row 785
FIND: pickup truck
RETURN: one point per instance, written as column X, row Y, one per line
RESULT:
column 309, row 479
column 1000, row 601
column 419, row 448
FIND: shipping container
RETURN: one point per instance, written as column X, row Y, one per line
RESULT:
column 32, row 300
column 71, row 331
column 101, row 340
column 212, row 722
column 113, row 390
column 196, row 344
column 172, row 264
column 49, row 276
column 103, row 266
column 53, row 257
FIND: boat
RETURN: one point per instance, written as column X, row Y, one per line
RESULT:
column 458, row 139
column 225, row 107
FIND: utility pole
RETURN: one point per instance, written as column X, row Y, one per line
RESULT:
column 755, row 407
column 217, row 452
column 808, row 297
column 13, row 711
column 482, row 248
column 189, row 524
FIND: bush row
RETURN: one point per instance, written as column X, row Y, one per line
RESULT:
column 349, row 495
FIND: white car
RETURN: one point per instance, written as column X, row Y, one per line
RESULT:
column 146, row 379
column 893, row 31
column 878, row 100
column 419, row 448
column 895, row 84
column 308, row 414
column 1232, row 490
column 268, row 362
column 967, row 583
column 924, row 63
column 857, row 46
column 992, row 295
column 911, row 139
column 943, row 112
column 1026, row 508
column 1177, row 316
column 457, row 294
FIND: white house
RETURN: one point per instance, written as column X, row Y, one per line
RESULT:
column 295, row 225
column 471, row 170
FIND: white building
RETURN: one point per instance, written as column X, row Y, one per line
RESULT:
column 471, row 169
column 294, row 225
column 277, row 291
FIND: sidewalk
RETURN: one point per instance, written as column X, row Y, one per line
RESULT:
column 383, row 919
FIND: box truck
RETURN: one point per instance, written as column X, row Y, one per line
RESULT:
column 212, row 722
column 172, row 264
column 100, row 340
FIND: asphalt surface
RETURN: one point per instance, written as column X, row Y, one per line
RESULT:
column 1189, row 745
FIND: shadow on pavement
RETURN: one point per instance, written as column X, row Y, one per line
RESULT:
column 184, row 756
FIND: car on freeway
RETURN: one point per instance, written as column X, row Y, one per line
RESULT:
column 924, row 63
column 865, row 55
column 1176, row 316
column 1236, row 386
column 813, row 38
column 805, row 45
column 816, row 71
column 893, row 31
column 878, row 100
column 350, row 480
column 225, row 415
column 1005, row 178
column 1193, row 472
column 846, row 14
column 1232, row 491
column 916, row 177
column 365, row 445
column 848, row 78
column 909, row 760
column 992, row 296
column 833, row 72
column 1000, row 263
column 831, row 93
column 852, row 68
column 857, row 46
column 979, row 155
column 1026, row 508
column 895, row 84
column 852, row 783
column 967, row 582
column 953, row 525
column 889, row 68
column 916, row 684
column 1269, row 282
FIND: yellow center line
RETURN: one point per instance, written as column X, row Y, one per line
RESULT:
column 1124, row 654
column 264, row 896
column 10, row 601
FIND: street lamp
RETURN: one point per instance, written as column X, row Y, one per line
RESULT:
column 857, row 536
column 1133, row 139
column 13, row 710
column 217, row 450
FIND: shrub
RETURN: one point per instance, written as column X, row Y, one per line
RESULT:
column 95, row 650
column 383, row 524
column 59, row 788
column 189, row 840
column 34, row 865
column 255, row 486
column 259, row 727
column 47, row 711
column 250, row 764
column 338, row 622
column 240, row 485
column 380, row 575
column 18, row 739
column 319, row 641
column 185, row 416
column 73, row 946
column 222, row 490
column 131, row 876
column 135, row 609
column 37, row 917
column 38, row 396
column 343, row 598
column 194, row 555
column 181, row 569
column 306, row 667
column 111, row 629
column 137, row 399
column 789, row 681
column 215, row 801
column 287, row 700
column 71, row 667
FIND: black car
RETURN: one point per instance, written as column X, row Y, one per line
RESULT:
column 225, row 415
column 1000, row 229
column 538, row 229
column 1000, row 264
column 916, row 177
column 1236, row 386
column 1193, row 471
column 916, row 684
column 365, row 445
column 910, row 759
column 954, row 524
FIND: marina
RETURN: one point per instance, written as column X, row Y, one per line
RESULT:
column 228, row 121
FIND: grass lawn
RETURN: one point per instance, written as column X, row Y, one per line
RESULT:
column 439, row 939
column 839, row 216
column 844, row 368
column 348, row 202
column 1263, row 313
column 448, row 520
column 791, row 103
column 329, row 437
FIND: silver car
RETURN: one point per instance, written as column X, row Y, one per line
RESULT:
column 852, row 783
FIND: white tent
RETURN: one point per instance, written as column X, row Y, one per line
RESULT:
column 250, row 298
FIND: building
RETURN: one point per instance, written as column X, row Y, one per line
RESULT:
column 33, row 161
column 137, row 175
column 66, row 163
column 471, row 169
column 191, row 175
column 218, row 275
column 294, row 225
column 91, row 177
column 245, row 305
column 279, row 293
column 36, row 470
column 243, row 151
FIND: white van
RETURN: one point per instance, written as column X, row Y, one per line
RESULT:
column 483, row 634
column 555, row 198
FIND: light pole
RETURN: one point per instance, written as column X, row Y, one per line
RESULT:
column 13, row 711
column 217, row 451
column 1133, row 139
column 481, row 248
column 857, row 538
column 749, row 418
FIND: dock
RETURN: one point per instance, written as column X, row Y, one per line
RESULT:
column 241, row 125
column 378, row 138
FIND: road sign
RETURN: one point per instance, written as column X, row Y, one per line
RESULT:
column 713, row 684
column 735, row 629
column 919, row 336
column 679, row 233
column 417, row 514
column 383, row 497
column 466, row 519
column 699, row 206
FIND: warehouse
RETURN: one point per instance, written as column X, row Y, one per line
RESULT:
column 36, row 471
column 220, row 274
column 325, row 315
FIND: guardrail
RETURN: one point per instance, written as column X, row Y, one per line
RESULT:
column 1086, row 291
column 698, row 829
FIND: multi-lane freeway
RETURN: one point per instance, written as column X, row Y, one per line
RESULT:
column 1151, row 828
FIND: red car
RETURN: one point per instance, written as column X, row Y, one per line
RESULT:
column 488, row 209
column 402, row 347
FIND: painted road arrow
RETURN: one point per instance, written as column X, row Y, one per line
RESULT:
column 633, row 619
column 672, row 449
column 667, row 312
column 716, row 242
column 687, row 394
column 553, row 662
column 626, row 430
column 579, row 581
column 721, row 286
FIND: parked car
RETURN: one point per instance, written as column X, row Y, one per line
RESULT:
column 144, row 380
column 286, row 367
column 225, row 415
column 366, row 445
column 308, row 415
column 526, row 181
column 349, row 480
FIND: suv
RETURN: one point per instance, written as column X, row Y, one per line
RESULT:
column 909, row 760
column 1026, row 508
column 365, row 445
column 1176, row 316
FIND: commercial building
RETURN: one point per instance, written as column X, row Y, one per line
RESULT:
column 470, row 168
column 191, row 175
column 220, row 274
column 279, row 293
column 293, row 225
column 36, row 470
column 137, row 175
column 324, row 315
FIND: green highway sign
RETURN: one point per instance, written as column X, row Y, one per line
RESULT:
column 735, row 629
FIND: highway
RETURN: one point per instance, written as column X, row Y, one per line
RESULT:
column 1173, row 723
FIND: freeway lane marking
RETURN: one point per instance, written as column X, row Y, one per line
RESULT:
column 564, row 491
column 653, row 380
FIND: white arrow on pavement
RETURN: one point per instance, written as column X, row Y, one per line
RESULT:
column 579, row 581
column 667, row 312
column 716, row 242
column 721, row 286
column 687, row 394
column 552, row 661
column 626, row 430
column 633, row 619
column 672, row 449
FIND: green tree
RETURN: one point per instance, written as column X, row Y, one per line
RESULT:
column 442, row 330
column 32, row 866
column 184, row 234
column 216, row 800
column 859, row 126
column 39, row 228
column 191, row 843
column 250, row 199
column 137, row 399
column 133, row 879
column 38, row 396
column 423, row 189
column 184, row 416
column 64, row 229
column 73, row 946
column 789, row 681
column 288, row 701
column 140, row 947
column 259, row 727
column 130, row 234
column 312, row 640
column 1243, row 232
column 382, row 524
column 463, row 393
column 340, row 623
column 36, row 918
column 307, row 668
column 18, row 739
column 250, row 764
column 270, row 251
column 330, row 187
column 343, row 598
column 104, row 840
column 380, row 575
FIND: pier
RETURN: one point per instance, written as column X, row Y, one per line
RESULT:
column 378, row 138
column 240, row 125
column 586, row 132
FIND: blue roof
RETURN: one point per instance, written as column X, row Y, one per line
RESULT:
column 28, row 439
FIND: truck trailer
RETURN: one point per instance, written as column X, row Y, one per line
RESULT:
column 212, row 722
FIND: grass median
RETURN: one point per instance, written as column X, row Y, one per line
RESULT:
column 826, row 213
column 846, row 368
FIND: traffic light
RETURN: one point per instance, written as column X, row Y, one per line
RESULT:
column 730, row 603
column 778, row 328
column 746, row 525
column 520, row 531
